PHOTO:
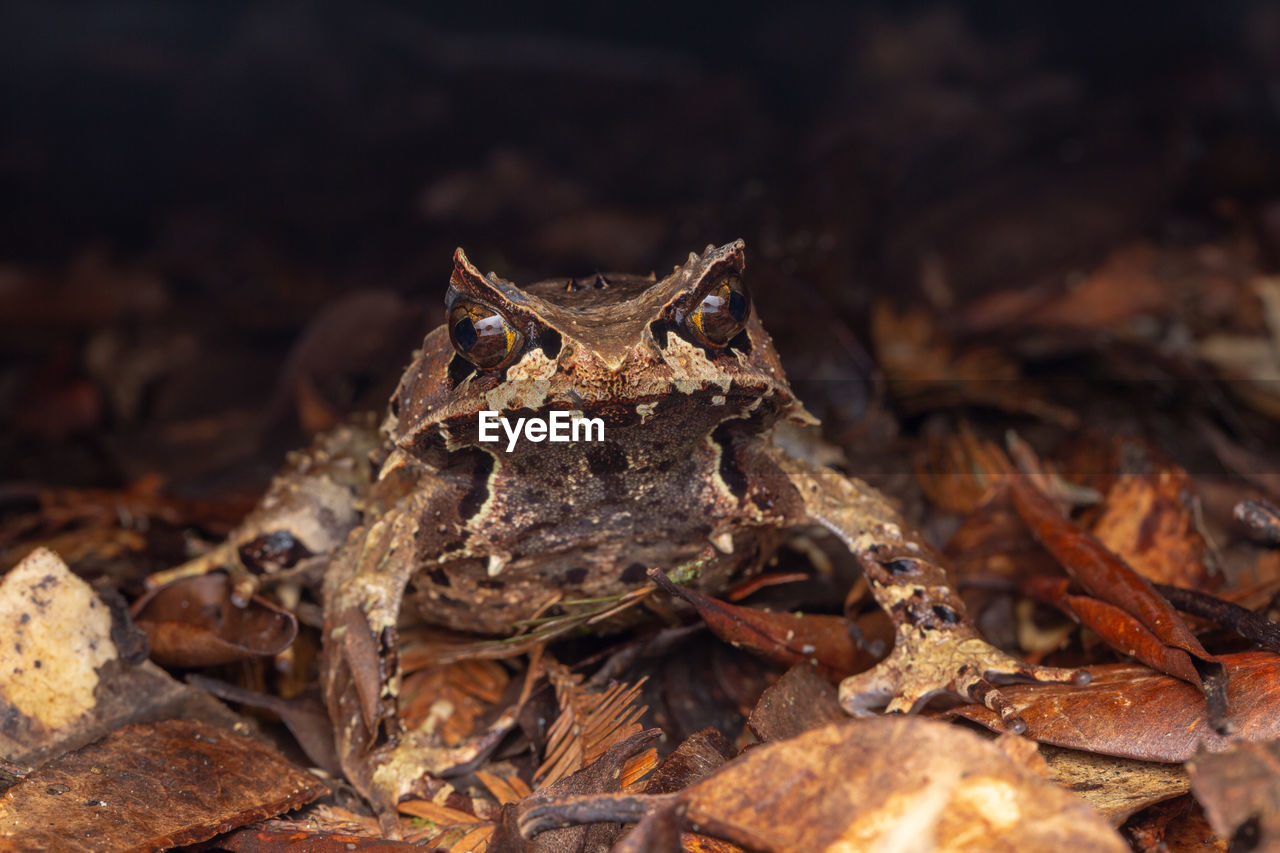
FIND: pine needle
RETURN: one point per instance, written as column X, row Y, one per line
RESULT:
column 589, row 723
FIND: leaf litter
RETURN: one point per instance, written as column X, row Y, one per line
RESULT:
column 1030, row 296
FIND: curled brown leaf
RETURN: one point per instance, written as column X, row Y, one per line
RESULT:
column 1109, row 579
column 192, row 622
column 789, row 638
column 1130, row 711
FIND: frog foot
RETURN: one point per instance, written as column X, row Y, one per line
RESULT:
column 953, row 660
column 391, row 773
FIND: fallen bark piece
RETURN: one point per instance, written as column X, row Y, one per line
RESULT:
column 1130, row 711
column 148, row 787
column 1116, row 787
column 859, row 784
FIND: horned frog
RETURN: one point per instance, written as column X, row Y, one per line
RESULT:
column 423, row 521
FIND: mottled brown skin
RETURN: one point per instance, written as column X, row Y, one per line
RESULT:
column 586, row 520
column 455, row 532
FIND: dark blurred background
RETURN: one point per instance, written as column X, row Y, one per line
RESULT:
column 222, row 224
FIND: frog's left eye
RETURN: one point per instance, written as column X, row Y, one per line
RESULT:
column 483, row 336
column 722, row 313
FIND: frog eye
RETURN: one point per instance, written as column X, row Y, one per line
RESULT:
column 483, row 336
column 722, row 312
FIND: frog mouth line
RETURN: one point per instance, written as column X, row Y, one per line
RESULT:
column 642, row 413
column 646, row 405
column 630, row 396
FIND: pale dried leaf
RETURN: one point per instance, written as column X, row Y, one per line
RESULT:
column 436, row 813
column 638, row 767
column 476, row 840
column 505, row 789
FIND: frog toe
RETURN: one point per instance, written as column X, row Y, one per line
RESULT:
column 861, row 694
column 393, row 772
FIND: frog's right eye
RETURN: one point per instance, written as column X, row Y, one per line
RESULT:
column 722, row 313
column 483, row 336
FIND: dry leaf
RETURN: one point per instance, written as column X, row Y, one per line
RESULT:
column 863, row 785
column 452, row 699
column 993, row 543
column 63, row 681
column 1122, row 292
column 958, row 471
column 1149, row 522
column 1239, row 789
column 1112, row 583
column 788, row 638
column 925, row 372
column 304, row 716
column 192, row 622
column 1120, row 630
column 800, row 700
column 1251, row 362
column 1131, row 711
column 101, row 523
column 148, row 787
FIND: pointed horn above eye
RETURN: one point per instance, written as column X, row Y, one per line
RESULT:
column 736, row 251
column 490, row 289
column 469, row 280
column 464, row 271
column 716, row 261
